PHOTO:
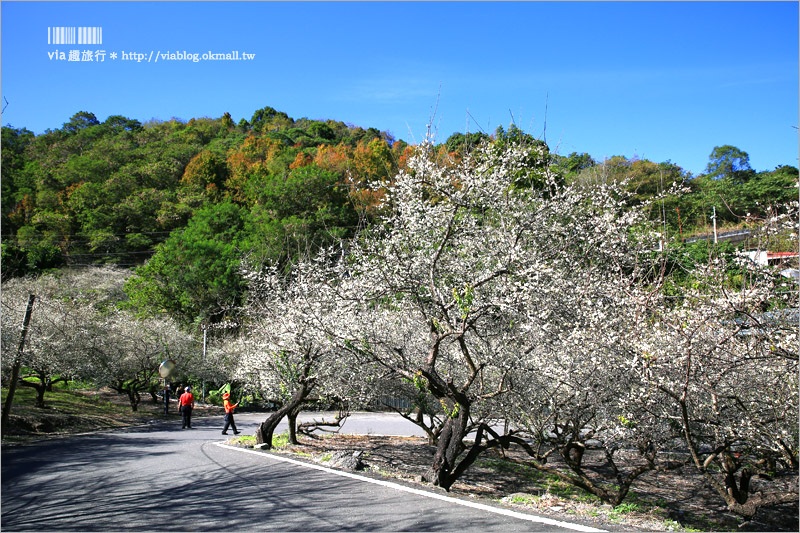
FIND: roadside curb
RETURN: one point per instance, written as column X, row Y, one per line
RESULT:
column 418, row 492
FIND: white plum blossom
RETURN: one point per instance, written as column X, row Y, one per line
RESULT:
column 494, row 296
column 475, row 284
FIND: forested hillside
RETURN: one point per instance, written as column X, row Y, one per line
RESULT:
column 184, row 201
column 110, row 191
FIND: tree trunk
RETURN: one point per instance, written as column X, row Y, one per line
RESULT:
column 449, row 447
column 41, row 388
column 432, row 431
column 267, row 428
column 292, row 419
column 789, row 456
column 417, row 417
column 573, row 454
column 133, row 397
column 153, row 390
column 735, row 493
column 738, row 490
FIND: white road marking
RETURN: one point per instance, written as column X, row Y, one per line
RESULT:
column 423, row 493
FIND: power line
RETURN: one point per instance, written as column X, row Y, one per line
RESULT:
column 104, row 254
column 71, row 265
column 109, row 234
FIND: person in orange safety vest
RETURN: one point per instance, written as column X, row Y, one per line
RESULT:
column 226, row 402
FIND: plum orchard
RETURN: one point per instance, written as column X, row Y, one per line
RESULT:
column 59, row 328
column 78, row 331
column 498, row 293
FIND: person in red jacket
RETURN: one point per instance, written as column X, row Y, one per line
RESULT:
column 226, row 402
column 185, row 405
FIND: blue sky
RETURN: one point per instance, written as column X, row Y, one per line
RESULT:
column 657, row 80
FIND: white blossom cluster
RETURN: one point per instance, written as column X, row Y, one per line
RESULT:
column 289, row 337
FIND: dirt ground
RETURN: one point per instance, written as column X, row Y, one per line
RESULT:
column 659, row 501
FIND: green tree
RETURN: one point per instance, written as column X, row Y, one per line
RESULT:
column 534, row 171
column 729, row 162
column 768, row 190
column 119, row 123
column 574, row 163
column 206, row 170
column 194, row 275
column 227, row 121
column 79, row 121
column 268, row 118
column 464, row 144
column 295, row 215
column 322, row 131
column 738, row 192
column 16, row 183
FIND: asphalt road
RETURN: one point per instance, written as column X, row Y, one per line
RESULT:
column 360, row 423
column 164, row 478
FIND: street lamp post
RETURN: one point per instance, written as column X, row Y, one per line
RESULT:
column 204, row 363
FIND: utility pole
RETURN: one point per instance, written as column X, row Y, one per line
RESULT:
column 663, row 211
column 12, row 387
column 714, row 220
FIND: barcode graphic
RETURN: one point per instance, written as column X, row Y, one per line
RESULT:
column 74, row 35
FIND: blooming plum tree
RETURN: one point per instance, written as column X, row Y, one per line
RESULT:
column 77, row 330
column 512, row 308
column 476, row 274
column 720, row 365
column 126, row 352
column 285, row 351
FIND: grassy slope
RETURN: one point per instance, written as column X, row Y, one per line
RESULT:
column 69, row 411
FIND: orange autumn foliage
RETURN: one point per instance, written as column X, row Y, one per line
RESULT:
column 302, row 160
column 249, row 158
column 334, row 158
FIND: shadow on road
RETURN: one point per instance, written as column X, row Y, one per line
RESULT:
column 263, row 496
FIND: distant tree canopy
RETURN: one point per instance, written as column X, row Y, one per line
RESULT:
column 729, row 162
column 730, row 185
column 464, row 143
column 194, row 273
column 109, row 192
column 574, row 162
